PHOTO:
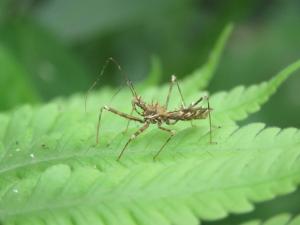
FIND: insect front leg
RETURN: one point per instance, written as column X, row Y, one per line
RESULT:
column 124, row 115
column 126, row 129
column 138, row 132
column 133, row 109
column 172, row 133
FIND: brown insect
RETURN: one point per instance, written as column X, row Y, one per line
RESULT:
column 154, row 113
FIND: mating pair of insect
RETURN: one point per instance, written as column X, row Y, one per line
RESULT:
column 154, row 113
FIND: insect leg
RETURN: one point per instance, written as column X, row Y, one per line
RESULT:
column 209, row 115
column 125, row 131
column 138, row 132
column 166, row 142
column 133, row 109
column 124, row 115
column 209, row 118
column 197, row 102
column 174, row 81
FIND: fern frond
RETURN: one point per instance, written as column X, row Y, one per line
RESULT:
column 238, row 103
column 191, row 181
column 155, row 73
column 200, row 78
column 51, row 171
column 281, row 219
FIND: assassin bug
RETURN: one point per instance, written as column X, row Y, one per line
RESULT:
column 154, row 113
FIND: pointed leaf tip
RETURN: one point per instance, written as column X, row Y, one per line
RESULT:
column 200, row 78
column 240, row 102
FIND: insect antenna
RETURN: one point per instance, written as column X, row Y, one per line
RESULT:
column 95, row 82
column 128, row 82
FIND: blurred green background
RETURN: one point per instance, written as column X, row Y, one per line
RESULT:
column 51, row 48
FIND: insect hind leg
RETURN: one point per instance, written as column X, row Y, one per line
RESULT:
column 209, row 114
column 172, row 133
column 209, row 119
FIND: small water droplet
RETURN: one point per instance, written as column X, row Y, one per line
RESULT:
column 18, row 149
column 32, row 155
column 15, row 190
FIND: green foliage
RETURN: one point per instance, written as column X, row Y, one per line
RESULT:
column 51, row 172
column 282, row 219
column 47, row 62
column 207, row 71
column 14, row 88
column 240, row 101
column 104, row 16
column 155, row 73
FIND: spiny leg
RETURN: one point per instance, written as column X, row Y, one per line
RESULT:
column 138, row 132
column 166, row 142
column 124, row 115
column 174, row 80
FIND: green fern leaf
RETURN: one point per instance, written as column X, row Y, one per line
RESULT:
column 281, row 219
column 14, row 74
column 193, row 179
column 154, row 74
column 201, row 77
column 238, row 103
column 51, row 172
